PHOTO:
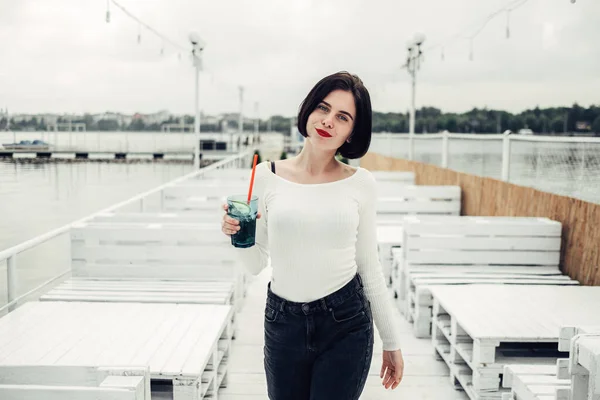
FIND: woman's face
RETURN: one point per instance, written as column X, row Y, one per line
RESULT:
column 332, row 121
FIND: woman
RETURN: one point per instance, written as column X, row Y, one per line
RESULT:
column 318, row 228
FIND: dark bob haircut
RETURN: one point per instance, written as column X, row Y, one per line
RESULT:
column 361, row 134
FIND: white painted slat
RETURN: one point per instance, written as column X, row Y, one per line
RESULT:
column 36, row 392
column 156, row 234
column 194, row 205
column 209, row 190
column 481, row 257
column 400, row 177
column 390, row 189
column 475, row 269
column 63, row 375
column 395, row 206
column 226, row 174
column 443, row 274
column 159, row 254
column 483, row 243
column 139, row 298
column 568, row 332
column 421, row 283
column 481, row 226
column 130, row 285
column 227, row 271
column 161, row 218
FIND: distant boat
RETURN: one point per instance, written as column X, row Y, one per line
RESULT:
column 27, row 145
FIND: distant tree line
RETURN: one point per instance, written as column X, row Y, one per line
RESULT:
column 558, row 120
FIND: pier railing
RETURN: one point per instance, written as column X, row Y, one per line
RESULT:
column 557, row 164
column 138, row 201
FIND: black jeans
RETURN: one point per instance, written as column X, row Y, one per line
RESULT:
column 319, row 350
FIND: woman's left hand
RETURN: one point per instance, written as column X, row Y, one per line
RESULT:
column 392, row 369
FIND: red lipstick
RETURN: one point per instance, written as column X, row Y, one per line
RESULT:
column 323, row 133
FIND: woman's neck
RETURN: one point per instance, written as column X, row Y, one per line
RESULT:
column 315, row 162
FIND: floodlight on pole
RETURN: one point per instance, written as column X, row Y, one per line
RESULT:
column 413, row 61
column 197, row 48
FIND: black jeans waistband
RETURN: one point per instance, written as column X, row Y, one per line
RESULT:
column 323, row 304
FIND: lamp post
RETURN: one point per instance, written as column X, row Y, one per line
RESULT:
column 197, row 47
column 241, row 117
column 256, row 123
column 413, row 62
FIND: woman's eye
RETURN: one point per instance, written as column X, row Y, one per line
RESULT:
column 343, row 118
column 322, row 107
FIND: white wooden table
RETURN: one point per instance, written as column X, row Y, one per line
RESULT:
column 186, row 345
column 420, row 300
column 473, row 323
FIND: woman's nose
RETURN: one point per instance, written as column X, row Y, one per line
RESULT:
column 327, row 122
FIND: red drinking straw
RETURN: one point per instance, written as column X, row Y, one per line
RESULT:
column 252, row 178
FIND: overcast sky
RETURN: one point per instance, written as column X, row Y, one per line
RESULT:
column 61, row 55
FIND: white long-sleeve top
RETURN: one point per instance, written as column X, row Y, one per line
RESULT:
column 318, row 236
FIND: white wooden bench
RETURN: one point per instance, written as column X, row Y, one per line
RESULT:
column 200, row 195
column 185, row 344
column 400, row 177
column 396, row 202
column 439, row 242
column 477, row 329
column 153, row 261
column 418, row 199
column 534, row 382
column 42, row 382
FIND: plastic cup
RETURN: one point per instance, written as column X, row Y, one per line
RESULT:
column 238, row 208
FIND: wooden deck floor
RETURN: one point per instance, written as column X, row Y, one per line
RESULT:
column 425, row 378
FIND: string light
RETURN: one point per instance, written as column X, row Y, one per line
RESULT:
column 507, row 8
column 471, row 50
column 142, row 24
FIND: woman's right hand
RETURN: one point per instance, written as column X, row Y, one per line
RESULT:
column 231, row 226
